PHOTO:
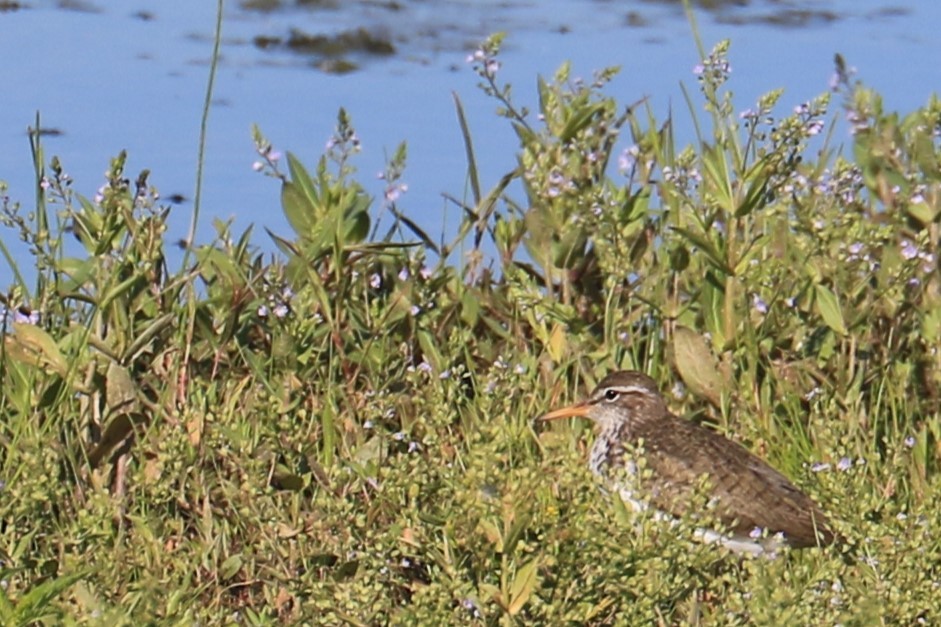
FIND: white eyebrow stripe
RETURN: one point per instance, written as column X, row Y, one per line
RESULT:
column 622, row 389
column 627, row 389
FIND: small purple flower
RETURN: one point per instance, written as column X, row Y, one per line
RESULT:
column 819, row 467
column 403, row 274
column 909, row 250
column 263, row 311
column 414, row 310
column 759, row 304
column 844, row 464
column 678, row 391
column 910, row 441
column 628, row 158
column 424, row 366
column 23, row 315
column 375, row 281
column 280, row 310
column 755, row 533
column 815, row 127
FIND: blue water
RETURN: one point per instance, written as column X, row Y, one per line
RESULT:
column 110, row 79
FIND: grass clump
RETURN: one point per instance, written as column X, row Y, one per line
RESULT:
column 342, row 433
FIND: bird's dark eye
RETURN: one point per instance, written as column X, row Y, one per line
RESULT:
column 610, row 395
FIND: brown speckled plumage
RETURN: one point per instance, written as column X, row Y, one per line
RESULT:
column 749, row 495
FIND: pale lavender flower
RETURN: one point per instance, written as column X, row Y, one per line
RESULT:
column 814, row 127
column 375, row 281
column 26, row 316
column 678, row 391
column 819, row 467
column 403, row 274
column 909, row 250
column 628, row 158
column 759, row 304
column 844, row 464
column 910, row 441
column 280, row 310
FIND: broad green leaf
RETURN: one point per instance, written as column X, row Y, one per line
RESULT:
column 523, row 585
column 36, row 348
column 558, row 343
column 230, row 567
column 32, row 606
column 297, row 209
column 121, row 391
column 829, row 307
column 700, row 241
column 697, row 366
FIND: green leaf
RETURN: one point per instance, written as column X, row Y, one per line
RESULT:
column 31, row 344
column 829, row 307
column 297, row 209
column 35, row 603
column 697, row 366
column 523, row 585
column 700, row 241
column 230, row 567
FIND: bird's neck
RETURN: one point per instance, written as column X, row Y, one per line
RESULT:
column 609, row 447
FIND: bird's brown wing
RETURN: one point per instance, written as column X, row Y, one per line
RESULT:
column 749, row 493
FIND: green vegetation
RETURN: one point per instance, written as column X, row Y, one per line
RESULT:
column 343, row 433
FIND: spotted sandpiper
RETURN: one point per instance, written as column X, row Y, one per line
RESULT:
column 758, row 508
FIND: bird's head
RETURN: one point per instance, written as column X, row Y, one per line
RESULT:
column 625, row 396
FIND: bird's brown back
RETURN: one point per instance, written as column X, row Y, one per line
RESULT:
column 749, row 493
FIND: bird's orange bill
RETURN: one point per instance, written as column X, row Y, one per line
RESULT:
column 579, row 409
